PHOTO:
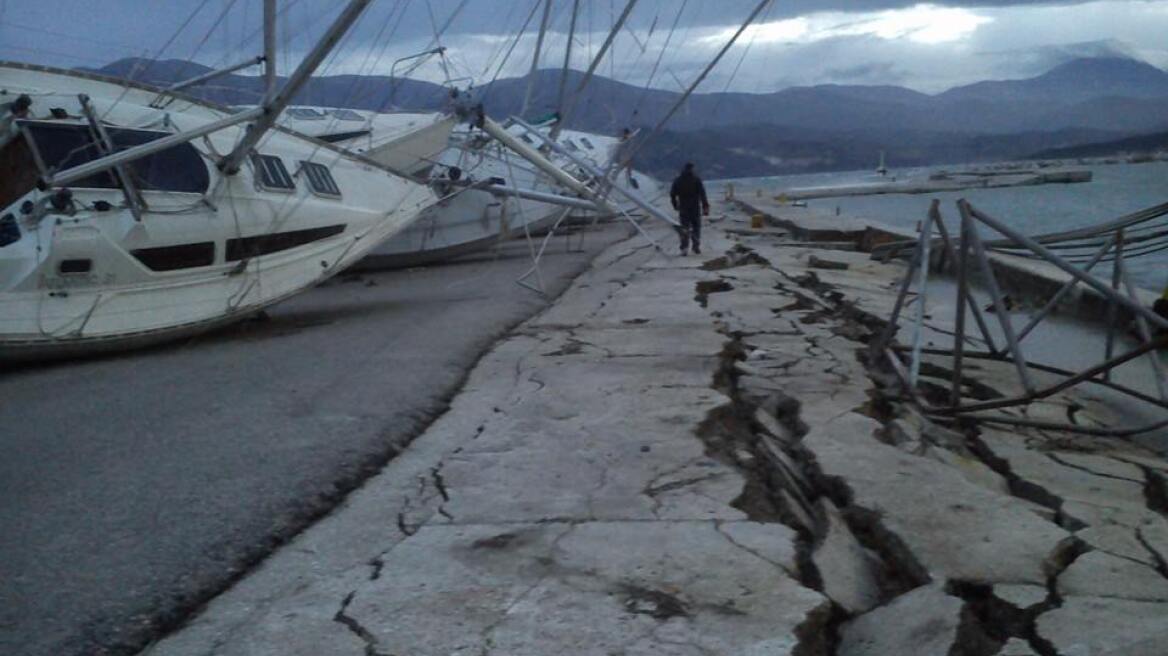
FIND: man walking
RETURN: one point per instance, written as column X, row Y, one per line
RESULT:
column 688, row 196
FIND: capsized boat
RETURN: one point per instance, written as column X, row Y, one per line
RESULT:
column 167, row 244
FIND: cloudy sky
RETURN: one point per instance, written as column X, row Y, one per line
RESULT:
column 925, row 46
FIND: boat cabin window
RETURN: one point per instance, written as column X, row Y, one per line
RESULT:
column 62, row 146
column 271, row 174
column 173, row 258
column 305, row 113
column 571, row 145
column 347, row 115
column 587, row 143
column 526, row 138
column 18, row 175
column 320, row 179
column 243, row 248
column 75, row 266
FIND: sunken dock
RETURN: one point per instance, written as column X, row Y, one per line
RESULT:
column 699, row 455
column 942, row 181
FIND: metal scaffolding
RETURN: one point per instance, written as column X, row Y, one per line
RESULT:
column 967, row 257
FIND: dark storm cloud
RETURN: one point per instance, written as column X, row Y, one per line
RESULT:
column 840, row 41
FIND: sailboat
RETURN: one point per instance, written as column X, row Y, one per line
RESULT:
column 489, row 193
column 131, row 215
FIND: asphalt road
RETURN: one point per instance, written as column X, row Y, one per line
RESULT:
column 133, row 487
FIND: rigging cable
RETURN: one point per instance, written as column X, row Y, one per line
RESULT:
column 661, row 55
column 206, row 37
column 570, row 109
column 501, row 43
column 543, row 25
column 665, row 119
column 511, row 49
column 141, row 64
column 567, row 56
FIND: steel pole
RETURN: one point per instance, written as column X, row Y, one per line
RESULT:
column 543, row 23
column 211, row 75
column 276, row 104
column 999, row 302
column 269, row 49
column 149, row 148
column 1057, row 261
column 594, row 172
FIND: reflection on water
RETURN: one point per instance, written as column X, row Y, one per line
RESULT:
column 1115, row 190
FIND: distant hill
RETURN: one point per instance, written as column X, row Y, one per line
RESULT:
column 762, row 150
column 798, row 129
column 1144, row 144
column 373, row 92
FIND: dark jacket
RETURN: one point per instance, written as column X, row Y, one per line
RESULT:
column 688, row 195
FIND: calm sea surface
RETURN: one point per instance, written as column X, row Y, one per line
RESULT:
column 1115, row 190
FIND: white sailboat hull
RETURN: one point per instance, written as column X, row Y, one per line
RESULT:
column 94, row 277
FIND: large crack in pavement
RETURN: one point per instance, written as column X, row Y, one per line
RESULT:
column 759, row 432
column 759, row 435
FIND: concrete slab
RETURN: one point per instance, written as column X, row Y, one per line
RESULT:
column 848, row 570
column 1095, row 626
column 922, row 622
column 1117, row 540
column 957, row 530
column 1021, row 595
column 1099, row 574
column 518, row 589
column 1017, row 647
column 1086, row 495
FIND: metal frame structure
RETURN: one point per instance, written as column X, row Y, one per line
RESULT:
column 968, row 258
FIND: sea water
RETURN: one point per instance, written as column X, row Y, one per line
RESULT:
column 1115, row 190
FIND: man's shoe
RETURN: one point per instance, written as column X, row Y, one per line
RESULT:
column 684, row 252
column 697, row 251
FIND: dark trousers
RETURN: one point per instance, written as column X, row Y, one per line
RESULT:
column 690, row 229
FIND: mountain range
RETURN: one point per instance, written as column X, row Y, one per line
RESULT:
column 799, row 129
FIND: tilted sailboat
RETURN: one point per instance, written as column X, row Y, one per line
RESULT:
column 482, row 179
column 130, row 216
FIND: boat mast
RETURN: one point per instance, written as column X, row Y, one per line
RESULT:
column 543, row 23
column 616, row 28
column 269, row 49
column 694, row 85
column 265, row 116
column 277, row 102
column 567, row 56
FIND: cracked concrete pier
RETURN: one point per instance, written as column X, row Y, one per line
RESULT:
column 691, row 456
